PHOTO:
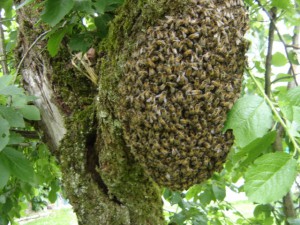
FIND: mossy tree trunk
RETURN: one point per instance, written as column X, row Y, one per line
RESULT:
column 103, row 182
column 102, row 179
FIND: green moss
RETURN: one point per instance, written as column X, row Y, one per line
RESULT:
column 73, row 90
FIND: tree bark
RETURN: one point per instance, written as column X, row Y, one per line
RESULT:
column 102, row 179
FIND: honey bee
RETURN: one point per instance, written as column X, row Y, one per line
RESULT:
column 175, row 151
column 168, row 69
column 209, row 137
column 154, row 58
column 198, row 108
column 156, row 145
column 151, row 63
column 168, row 176
column 189, row 43
column 179, row 97
column 215, row 83
column 151, row 72
column 155, row 89
column 165, row 144
column 156, row 127
column 184, row 121
column 215, row 104
column 162, row 121
column 227, row 104
column 194, row 35
column 219, row 128
column 180, row 134
column 184, row 30
column 162, row 87
column 195, row 92
column 161, row 57
column 162, row 97
column 188, row 52
column 181, row 79
column 160, row 42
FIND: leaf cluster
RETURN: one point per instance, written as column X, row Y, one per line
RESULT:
column 83, row 23
column 25, row 164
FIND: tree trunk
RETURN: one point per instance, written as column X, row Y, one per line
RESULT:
column 102, row 179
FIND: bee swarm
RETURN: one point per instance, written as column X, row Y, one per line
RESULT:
column 182, row 78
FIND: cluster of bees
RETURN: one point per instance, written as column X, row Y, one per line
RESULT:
column 182, row 78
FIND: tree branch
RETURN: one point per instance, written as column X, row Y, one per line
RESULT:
column 280, row 38
column 288, row 206
column 289, row 209
column 27, row 133
column 269, row 54
column 2, row 50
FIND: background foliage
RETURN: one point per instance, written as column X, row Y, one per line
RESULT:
column 263, row 163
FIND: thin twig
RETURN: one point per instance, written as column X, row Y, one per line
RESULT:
column 285, row 77
column 28, row 50
column 280, row 38
column 293, row 46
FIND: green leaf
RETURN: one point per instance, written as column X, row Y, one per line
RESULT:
column 175, row 198
column 11, row 90
column 270, row 178
column 5, row 81
column 200, row 219
column 83, row 6
column 288, row 101
column 55, row 40
column 78, row 43
column 17, row 164
column 207, row 196
column 52, row 196
column 4, row 173
column 249, row 118
column 219, row 192
column 103, row 6
column 30, row 112
column 15, row 138
column 255, row 148
column 282, row 4
column 293, row 96
column 55, row 11
column 193, row 191
column 7, row 5
column 14, row 118
column 178, row 218
column 296, row 114
column 293, row 128
column 293, row 57
column 4, row 133
column 101, row 23
column 19, row 101
column 167, row 193
column 279, row 59
column 262, row 211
